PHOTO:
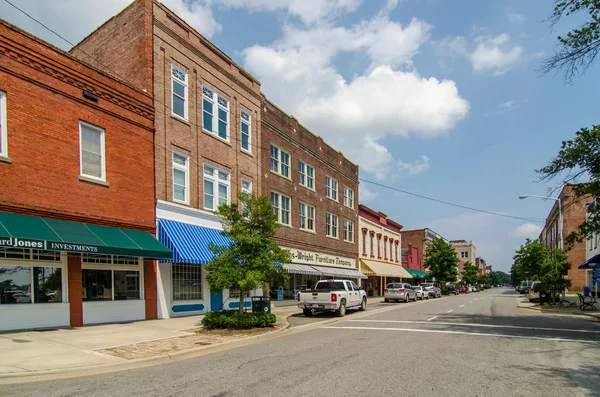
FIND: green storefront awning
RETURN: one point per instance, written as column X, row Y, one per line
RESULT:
column 21, row 231
column 417, row 273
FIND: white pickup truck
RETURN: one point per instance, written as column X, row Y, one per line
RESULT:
column 332, row 295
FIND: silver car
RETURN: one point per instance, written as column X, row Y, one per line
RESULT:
column 399, row 292
column 420, row 292
column 433, row 291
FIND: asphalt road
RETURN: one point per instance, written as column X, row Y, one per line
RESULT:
column 477, row 345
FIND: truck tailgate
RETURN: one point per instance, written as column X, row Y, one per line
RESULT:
column 315, row 297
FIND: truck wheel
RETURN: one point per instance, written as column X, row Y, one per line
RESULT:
column 341, row 312
column 307, row 312
column 363, row 305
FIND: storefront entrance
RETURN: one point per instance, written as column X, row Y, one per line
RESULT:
column 216, row 300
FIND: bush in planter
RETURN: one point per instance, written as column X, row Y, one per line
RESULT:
column 233, row 319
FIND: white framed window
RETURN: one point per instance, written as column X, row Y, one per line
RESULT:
column 215, row 113
column 372, row 252
column 234, row 293
column 246, row 189
column 348, row 231
column 245, row 131
column 385, row 249
column 331, row 188
column 186, row 281
column 331, row 225
column 392, row 250
column 179, row 92
column 281, row 207
column 348, row 197
column 110, row 278
column 464, row 254
column 306, row 175
column 92, row 153
column 181, row 178
column 3, row 126
column 306, row 214
column 364, row 243
column 216, row 187
column 280, row 161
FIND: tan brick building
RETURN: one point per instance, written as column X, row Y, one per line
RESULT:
column 206, row 143
column 314, row 190
column 77, row 183
column 465, row 252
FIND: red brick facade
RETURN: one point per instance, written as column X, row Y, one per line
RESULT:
column 415, row 238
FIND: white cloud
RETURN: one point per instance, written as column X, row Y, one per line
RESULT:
column 526, row 230
column 417, row 167
column 453, row 46
column 515, row 17
column 495, row 54
column 507, row 105
column 365, row 194
column 197, row 13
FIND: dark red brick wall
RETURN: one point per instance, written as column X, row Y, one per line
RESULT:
column 75, row 290
column 574, row 212
column 327, row 162
column 150, row 289
column 416, row 238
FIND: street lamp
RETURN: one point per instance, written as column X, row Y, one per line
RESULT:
column 560, row 218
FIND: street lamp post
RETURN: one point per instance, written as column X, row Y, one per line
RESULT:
column 560, row 217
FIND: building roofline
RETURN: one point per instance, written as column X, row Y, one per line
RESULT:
column 378, row 214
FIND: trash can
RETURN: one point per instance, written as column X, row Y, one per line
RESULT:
column 261, row 304
column 586, row 291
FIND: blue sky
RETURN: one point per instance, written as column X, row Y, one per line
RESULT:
column 436, row 97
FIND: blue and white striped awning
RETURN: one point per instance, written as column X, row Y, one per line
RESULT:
column 189, row 243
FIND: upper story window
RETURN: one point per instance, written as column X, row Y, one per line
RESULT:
column 280, row 161
column 92, row 155
column 306, row 175
column 3, row 126
column 216, row 187
column 246, row 189
column 348, row 197
column 392, row 250
column 348, row 231
column 181, row 178
column 379, row 246
column 215, row 113
column 372, row 252
column 179, row 92
column 331, row 225
column 331, row 188
column 364, row 243
column 281, row 207
column 385, row 249
column 245, row 130
column 306, row 216
column 464, row 254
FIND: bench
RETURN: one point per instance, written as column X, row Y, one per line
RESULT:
column 587, row 301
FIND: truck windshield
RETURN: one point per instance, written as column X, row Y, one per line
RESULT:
column 330, row 285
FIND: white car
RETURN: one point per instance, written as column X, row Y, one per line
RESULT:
column 433, row 291
column 420, row 292
column 399, row 292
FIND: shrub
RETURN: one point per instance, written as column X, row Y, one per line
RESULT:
column 233, row 319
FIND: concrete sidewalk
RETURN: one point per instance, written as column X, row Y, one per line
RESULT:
column 52, row 351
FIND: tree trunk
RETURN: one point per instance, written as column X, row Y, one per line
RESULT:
column 242, row 296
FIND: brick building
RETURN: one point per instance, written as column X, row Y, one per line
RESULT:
column 314, row 190
column 379, row 250
column 481, row 265
column 77, row 183
column 465, row 252
column 207, row 143
column 418, row 238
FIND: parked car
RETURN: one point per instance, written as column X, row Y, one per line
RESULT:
column 334, row 296
column 399, row 292
column 434, row 292
column 473, row 288
column 420, row 292
column 464, row 290
column 453, row 289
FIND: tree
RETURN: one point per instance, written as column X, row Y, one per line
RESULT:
column 252, row 259
column 499, row 277
column 554, row 269
column 515, row 278
column 441, row 260
column 578, row 49
column 469, row 273
column 529, row 258
column 577, row 161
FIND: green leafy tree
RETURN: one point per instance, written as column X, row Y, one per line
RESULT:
column 441, row 260
column 578, row 49
column 515, row 278
column 469, row 273
column 554, row 269
column 529, row 259
column 499, row 277
column 253, row 258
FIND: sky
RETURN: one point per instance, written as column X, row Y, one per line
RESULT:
column 441, row 98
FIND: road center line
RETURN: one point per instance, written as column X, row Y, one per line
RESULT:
column 462, row 306
column 586, row 331
column 433, row 331
column 432, row 318
column 450, row 311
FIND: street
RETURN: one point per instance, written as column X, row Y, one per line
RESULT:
column 478, row 344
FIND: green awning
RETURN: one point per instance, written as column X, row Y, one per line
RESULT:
column 20, row 231
column 417, row 273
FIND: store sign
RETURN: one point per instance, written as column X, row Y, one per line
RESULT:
column 314, row 258
column 12, row 242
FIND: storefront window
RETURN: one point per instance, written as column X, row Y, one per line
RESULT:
column 127, row 285
column 47, row 284
column 187, row 282
column 15, row 284
column 97, row 285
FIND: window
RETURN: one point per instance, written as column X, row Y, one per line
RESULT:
column 385, row 249
column 392, row 250
column 234, row 293
column 245, row 128
column 92, row 162
column 348, row 231
column 281, row 207
column 110, row 277
column 180, row 178
column 364, row 243
column 179, row 92
column 331, row 225
column 348, row 197
column 464, row 254
column 187, row 281
column 246, row 189
column 30, row 284
column 307, row 216
column 306, row 175
column 215, row 113
column 372, row 254
column 216, row 187
column 331, row 188
column 3, row 126
column 379, row 246
column 280, row 161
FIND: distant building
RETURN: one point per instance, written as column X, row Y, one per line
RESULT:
column 465, row 252
column 418, row 238
column 481, row 264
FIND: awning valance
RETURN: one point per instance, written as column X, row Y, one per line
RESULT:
column 21, row 231
column 590, row 263
column 338, row 272
column 417, row 273
column 296, row 268
column 189, row 243
column 386, row 269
